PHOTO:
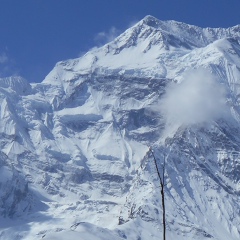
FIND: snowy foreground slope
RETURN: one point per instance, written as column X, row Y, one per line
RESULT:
column 74, row 160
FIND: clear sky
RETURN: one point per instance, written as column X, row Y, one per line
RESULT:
column 35, row 34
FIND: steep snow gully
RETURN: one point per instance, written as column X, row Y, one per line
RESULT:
column 74, row 159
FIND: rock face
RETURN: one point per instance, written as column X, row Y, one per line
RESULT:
column 15, row 199
column 74, row 148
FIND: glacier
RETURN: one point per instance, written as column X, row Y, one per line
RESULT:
column 75, row 162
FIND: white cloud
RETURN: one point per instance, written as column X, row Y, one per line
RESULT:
column 198, row 98
column 7, row 65
column 133, row 22
column 3, row 58
column 102, row 38
column 105, row 37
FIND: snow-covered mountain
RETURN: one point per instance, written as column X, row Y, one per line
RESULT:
column 75, row 161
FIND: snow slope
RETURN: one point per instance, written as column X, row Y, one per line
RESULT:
column 75, row 159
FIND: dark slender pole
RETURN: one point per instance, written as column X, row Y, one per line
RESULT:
column 162, row 183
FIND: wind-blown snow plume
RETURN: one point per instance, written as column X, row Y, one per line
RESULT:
column 104, row 37
column 198, row 98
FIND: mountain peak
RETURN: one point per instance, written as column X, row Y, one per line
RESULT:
column 150, row 21
column 142, row 49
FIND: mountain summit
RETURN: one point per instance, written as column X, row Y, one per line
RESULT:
column 75, row 156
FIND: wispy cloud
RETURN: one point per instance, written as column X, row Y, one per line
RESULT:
column 102, row 38
column 133, row 22
column 107, row 36
column 7, row 65
column 3, row 58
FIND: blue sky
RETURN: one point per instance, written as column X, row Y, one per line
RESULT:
column 35, row 34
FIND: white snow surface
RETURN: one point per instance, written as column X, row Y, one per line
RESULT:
column 75, row 161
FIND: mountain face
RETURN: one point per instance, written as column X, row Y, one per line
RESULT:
column 75, row 158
